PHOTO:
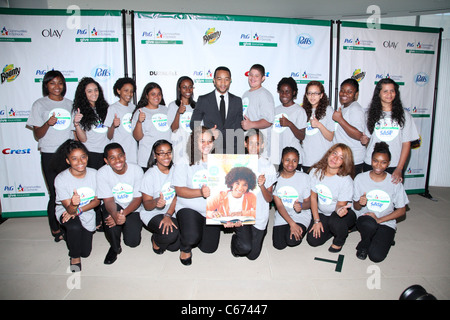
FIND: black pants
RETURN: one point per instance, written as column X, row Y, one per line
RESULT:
column 170, row 241
column 49, row 176
column 96, row 161
column 257, row 242
column 333, row 226
column 131, row 230
column 376, row 238
column 78, row 239
column 195, row 232
column 281, row 236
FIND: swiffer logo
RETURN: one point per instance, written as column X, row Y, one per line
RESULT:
column 304, row 41
column 16, row 151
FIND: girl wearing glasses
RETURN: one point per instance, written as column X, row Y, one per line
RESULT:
column 159, row 199
column 320, row 125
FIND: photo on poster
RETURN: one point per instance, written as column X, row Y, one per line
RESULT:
column 232, row 181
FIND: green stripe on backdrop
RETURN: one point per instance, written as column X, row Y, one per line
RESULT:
column 23, row 214
column 59, row 12
column 218, row 17
column 352, row 24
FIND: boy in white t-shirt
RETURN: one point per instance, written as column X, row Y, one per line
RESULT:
column 118, row 184
column 258, row 104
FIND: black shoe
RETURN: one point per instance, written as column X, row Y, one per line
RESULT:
column 187, row 261
column 157, row 251
column 75, row 267
column 111, row 256
column 334, row 250
column 361, row 254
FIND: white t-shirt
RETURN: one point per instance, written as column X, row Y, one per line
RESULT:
column 122, row 187
column 390, row 132
column 86, row 187
column 192, row 177
column 96, row 137
column 41, row 110
column 123, row 134
column 288, row 190
column 331, row 190
column 154, row 127
column 181, row 136
column 153, row 183
column 382, row 197
column 355, row 116
column 282, row 136
column 259, row 104
column 315, row 145
column 262, row 206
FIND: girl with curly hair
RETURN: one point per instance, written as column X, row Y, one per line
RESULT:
column 118, row 118
column 238, row 200
column 320, row 126
column 292, row 198
column 387, row 121
column 90, row 109
column 50, row 120
column 331, row 196
column 149, row 122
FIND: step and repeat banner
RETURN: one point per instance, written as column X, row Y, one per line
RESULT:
column 169, row 46
column 409, row 56
column 32, row 42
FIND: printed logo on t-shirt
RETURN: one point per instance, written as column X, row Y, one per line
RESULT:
column 386, row 129
column 276, row 124
column 126, row 122
column 185, row 121
column 86, row 195
column 159, row 120
column 288, row 195
column 310, row 131
column 100, row 128
column 168, row 192
column 377, row 200
column 200, row 178
column 245, row 103
column 123, row 192
column 324, row 194
column 63, row 117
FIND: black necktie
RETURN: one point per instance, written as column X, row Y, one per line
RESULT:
column 222, row 109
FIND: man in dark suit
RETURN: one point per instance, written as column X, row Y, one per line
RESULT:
column 222, row 111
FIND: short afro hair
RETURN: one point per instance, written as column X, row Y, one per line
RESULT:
column 241, row 173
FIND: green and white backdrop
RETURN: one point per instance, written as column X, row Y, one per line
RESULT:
column 164, row 46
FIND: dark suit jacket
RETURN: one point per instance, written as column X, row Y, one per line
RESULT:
column 206, row 109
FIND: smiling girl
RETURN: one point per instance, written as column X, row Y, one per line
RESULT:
column 179, row 116
column 380, row 202
column 292, row 197
column 289, row 126
column 89, row 110
column 350, row 120
column 387, row 121
column 191, row 189
column 51, row 119
column 149, row 122
column 331, row 196
column 76, row 198
column 320, row 129
column 159, row 199
column 118, row 118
